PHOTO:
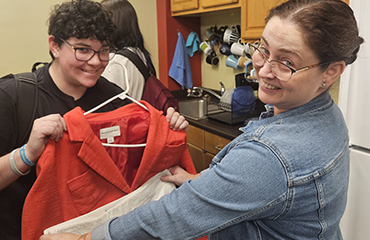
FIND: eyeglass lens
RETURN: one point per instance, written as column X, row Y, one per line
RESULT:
column 85, row 54
column 281, row 71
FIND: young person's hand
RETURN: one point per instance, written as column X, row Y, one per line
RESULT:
column 44, row 128
column 177, row 122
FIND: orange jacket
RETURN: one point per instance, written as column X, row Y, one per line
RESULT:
column 78, row 174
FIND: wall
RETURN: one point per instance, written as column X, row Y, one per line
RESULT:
column 211, row 75
column 23, row 27
column 147, row 15
column 168, row 29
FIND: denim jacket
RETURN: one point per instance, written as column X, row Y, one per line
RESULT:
column 285, row 177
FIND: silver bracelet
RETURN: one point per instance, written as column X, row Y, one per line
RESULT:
column 14, row 167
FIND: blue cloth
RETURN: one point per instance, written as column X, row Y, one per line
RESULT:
column 180, row 69
column 284, row 177
column 192, row 43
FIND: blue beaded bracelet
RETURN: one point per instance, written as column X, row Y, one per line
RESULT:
column 24, row 157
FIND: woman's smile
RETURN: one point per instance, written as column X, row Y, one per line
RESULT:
column 268, row 86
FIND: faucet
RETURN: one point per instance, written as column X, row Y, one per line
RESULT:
column 222, row 90
column 198, row 91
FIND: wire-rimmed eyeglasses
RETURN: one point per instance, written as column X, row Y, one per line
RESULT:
column 84, row 54
column 282, row 71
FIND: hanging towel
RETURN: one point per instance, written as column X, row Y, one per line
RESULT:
column 192, row 43
column 180, row 69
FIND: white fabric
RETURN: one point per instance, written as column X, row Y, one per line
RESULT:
column 114, row 72
column 152, row 190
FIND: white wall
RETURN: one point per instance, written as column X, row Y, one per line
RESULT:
column 23, row 29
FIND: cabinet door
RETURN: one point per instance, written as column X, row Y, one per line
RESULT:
column 213, row 3
column 207, row 159
column 182, row 5
column 195, row 136
column 253, row 17
column 214, row 143
column 201, row 159
column 253, row 14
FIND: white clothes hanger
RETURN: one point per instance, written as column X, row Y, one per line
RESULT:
column 121, row 95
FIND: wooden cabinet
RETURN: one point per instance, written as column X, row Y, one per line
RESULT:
column 214, row 143
column 183, row 5
column 253, row 14
column 196, row 7
column 214, row 3
column 203, row 146
column 201, row 158
column 253, row 17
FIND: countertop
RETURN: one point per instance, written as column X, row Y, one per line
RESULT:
column 221, row 129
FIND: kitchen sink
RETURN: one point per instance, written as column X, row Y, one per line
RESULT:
column 195, row 108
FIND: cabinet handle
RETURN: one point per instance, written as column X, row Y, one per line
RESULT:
column 219, row 148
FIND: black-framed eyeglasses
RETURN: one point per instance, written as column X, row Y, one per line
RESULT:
column 84, row 54
column 282, row 71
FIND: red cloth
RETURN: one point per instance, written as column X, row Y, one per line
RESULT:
column 78, row 174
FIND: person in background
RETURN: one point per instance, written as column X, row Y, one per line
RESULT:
column 81, row 36
column 128, row 35
column 286, row 176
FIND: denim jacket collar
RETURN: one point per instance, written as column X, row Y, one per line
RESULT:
column 323, row 101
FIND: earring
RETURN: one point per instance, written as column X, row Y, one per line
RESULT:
column 324, row 84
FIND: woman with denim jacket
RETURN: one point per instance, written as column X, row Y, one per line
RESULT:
column 286, row 176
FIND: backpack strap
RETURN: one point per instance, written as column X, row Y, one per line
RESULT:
column 36, row 65
column 136, row 60
column 27, row 102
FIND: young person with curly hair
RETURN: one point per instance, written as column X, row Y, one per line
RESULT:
column 81, row 35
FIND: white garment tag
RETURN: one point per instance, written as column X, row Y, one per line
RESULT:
column 110, row 133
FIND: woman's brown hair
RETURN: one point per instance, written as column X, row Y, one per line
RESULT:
column 328, row 26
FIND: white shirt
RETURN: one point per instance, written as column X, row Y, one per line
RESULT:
column 114, row 72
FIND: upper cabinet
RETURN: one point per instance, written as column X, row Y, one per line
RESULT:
column 253, row 14
column 196, row 7
column 214, row 3
column 184, row 5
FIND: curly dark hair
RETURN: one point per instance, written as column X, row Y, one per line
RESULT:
column 81, row 19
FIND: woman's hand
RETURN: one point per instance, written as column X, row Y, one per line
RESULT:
column 177, row 122
column 44, row 128
column 179, row 176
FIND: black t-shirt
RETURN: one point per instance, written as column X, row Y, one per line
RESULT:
column 51, row 100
